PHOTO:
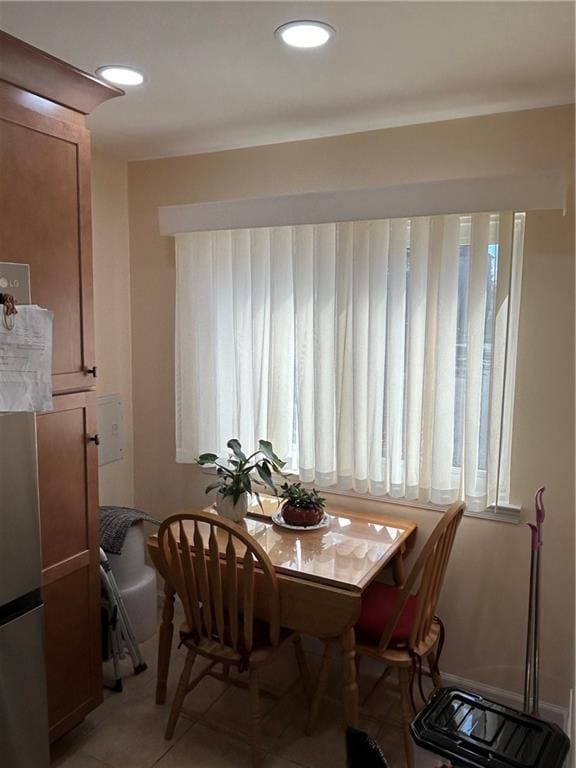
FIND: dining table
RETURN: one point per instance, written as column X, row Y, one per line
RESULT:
column 321, row 573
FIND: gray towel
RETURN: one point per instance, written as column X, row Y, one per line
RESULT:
column 114, row 525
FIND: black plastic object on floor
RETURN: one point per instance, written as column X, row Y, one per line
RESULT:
column 362, row 751
column 473, row 732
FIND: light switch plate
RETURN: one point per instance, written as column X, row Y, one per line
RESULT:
column 110, row 429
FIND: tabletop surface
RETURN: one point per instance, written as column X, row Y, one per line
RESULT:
column 346, row 554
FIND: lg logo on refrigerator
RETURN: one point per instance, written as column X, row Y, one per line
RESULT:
column 5, row 283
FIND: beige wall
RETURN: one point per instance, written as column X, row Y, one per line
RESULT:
column 112, row 311
column 484, row 602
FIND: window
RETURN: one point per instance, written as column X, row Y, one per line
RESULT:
column 377, row 356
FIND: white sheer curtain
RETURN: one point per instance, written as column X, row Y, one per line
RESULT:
column 372, row 354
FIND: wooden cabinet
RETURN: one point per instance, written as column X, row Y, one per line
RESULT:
column 45, row 205
column 68, row 479
column 45, row 222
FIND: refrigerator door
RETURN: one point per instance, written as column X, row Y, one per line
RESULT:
column 20, row 553
column 23, row 706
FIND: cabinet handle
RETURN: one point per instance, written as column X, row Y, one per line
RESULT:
column 90, row 371
column 94, row 439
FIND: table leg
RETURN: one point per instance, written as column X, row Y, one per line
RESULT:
column 350, row 692
column 398, row 572
column 165, row 643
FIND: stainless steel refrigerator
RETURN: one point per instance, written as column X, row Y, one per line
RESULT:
column 23, row 703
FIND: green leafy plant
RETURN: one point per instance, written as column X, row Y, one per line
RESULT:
column 302, row 497
column 235, row 476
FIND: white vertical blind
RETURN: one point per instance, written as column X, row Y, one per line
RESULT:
column 442, row 480
column 395, row 364
column 415, row 351
column 474, row 481
column 501, row 494
column 373, row 354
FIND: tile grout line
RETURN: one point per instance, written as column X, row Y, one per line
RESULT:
column 238, row 736
column 174, row 742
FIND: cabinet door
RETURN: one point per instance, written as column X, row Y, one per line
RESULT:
column 45, row 222
column 67, row 469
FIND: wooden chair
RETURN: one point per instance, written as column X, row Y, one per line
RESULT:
column 213, row 565
column 399, row 626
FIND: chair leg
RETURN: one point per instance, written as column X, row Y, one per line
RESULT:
column 303, row 667
column 350, row 693
column 165, row 644
column 434, row 670
column 378, row 682
column 407, row 713
column 256, row 719
column 180, row 695
column 321, row 685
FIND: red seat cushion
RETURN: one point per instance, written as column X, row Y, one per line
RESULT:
column 378, row 602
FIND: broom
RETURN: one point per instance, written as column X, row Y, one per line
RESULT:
column 532, row 670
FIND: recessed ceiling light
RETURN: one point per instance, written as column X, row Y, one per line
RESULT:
column 305, row 34
column 114, row 73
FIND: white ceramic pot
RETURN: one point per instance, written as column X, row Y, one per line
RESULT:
column 225, row 506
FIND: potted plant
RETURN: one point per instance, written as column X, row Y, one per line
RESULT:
column 301, row 507
column 235, row 476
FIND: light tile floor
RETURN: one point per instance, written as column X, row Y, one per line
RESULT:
column 127, row 730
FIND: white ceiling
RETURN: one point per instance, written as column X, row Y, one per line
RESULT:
column 217, row 78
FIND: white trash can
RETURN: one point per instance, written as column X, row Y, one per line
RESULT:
column 137, row 583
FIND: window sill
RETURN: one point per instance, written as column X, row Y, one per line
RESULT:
column 505, row 513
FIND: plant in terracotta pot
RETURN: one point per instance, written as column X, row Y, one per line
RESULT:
column 301, row 507
column 236, row 476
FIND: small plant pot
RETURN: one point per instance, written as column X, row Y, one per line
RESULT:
column 225, row 506
column 302, row 516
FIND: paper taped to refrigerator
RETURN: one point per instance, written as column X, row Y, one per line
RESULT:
column 26, row 361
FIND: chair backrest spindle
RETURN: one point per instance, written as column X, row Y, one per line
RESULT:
column 216, row 582
column 232, row 591
column 202, row 576
column 192, row 604
column 248, row 608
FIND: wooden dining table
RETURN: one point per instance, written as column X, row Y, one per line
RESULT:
column 321, row 574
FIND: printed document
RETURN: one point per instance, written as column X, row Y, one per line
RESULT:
column 26, row 360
